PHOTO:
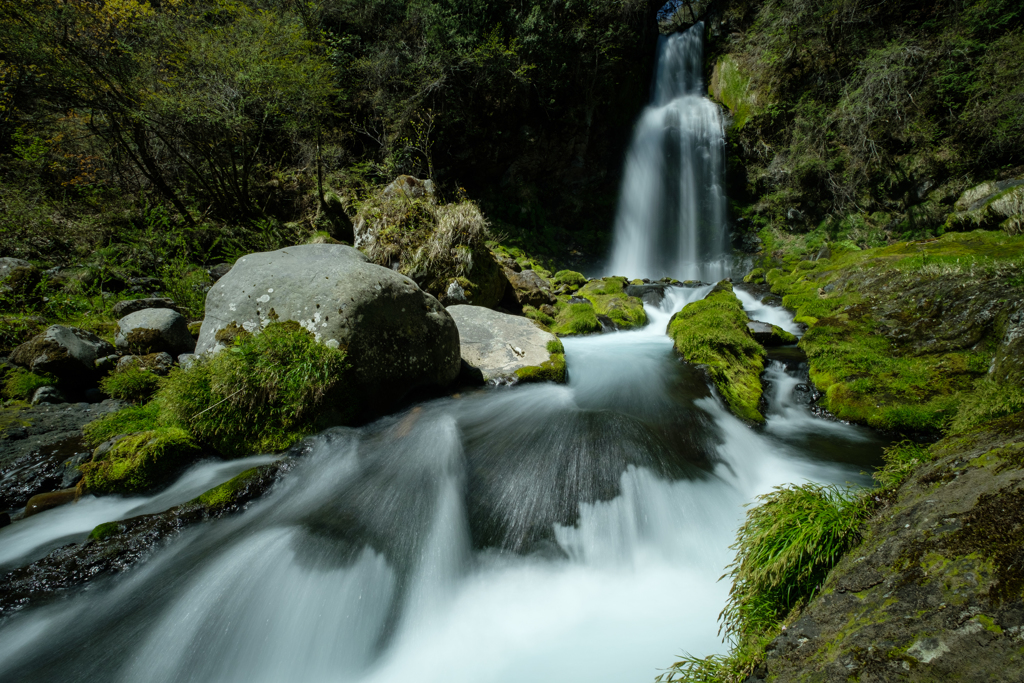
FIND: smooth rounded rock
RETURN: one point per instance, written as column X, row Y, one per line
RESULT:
column 129, row 306
column 48, row 501
column 398, row 338
column 67, row 352
column 153, row 330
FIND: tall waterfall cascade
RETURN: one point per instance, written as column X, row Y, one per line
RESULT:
column 671, row 219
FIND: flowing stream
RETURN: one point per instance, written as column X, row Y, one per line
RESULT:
column 533, row 533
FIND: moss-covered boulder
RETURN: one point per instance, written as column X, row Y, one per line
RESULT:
column 507, row 347
column 934, row 590
column 569, row 278
column 140, row 462
column 69, row 353
column 767, row 334
column 989, row 206
column 18, row 278
column 611, row 301
column 713, row 334
column 573, row 316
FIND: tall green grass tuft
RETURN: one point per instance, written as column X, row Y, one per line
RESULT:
column 785, row 549
column 130, row 420
column 262, row 394
column 901, row 459
column 989, row 401
column 21, row 384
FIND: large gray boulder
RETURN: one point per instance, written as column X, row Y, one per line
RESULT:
column 67, row 352
column 398, row 338
column 153, row 330
column 505, row 347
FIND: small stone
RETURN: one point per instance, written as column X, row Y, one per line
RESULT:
column 48, row 394
column 187, row 360
column 123, row 308
column 48, row 501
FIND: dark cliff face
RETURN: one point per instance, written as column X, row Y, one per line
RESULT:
column 935, row 590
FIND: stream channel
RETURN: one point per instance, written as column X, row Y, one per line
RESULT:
column 532, row 533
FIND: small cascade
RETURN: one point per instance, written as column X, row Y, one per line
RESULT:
column 672, row 211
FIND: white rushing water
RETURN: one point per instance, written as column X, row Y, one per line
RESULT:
column 538, row 533
column 671, row 217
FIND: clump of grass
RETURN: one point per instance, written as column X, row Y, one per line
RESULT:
column 130, row 384
column 130, row 420
column 262, row 394
column 713, row 333
column 785, row 549
column 20, row 384
column 140, row 462
column 988, row 401
column 901, row 459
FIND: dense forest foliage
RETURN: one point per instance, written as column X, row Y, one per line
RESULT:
column 867, row 120
column 232, row 125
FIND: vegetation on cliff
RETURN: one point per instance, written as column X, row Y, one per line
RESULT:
column 866, row 122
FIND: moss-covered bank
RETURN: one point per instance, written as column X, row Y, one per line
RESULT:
column 713, row 333
column 901, row 337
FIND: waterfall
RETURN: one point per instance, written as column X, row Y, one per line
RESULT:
column 672, row 212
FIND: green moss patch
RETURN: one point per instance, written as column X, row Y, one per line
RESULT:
column 570, row 278
column 551, row 370
column 610, row 299
column 221, row 496
column 574, row 318
column 140, row 462
column 131, row 384
column 875, row 344
column 713, row 333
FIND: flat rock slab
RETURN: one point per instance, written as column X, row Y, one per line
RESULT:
column 498, row 344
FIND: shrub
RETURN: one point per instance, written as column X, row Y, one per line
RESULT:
column 20, row 384
column 262, row 394
column 131, row 384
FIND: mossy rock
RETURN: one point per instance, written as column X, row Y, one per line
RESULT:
column 610, row 300
column 712, row 333
column 141, row 462
column 574, row 318
column 755, row 276
column 552, row 370
column 569, row 277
